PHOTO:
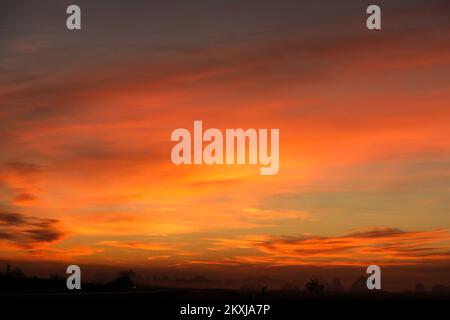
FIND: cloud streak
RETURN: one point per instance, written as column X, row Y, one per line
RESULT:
column 379, row 245
column 28, row 232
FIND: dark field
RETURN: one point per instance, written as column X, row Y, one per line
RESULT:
column 166, row 303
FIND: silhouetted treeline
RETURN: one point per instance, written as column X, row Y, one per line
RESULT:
column 15, row 279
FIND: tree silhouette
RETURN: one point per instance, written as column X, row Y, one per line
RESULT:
column 17, row 273
column 123, row 282
column 440, row 289
column 419, row 288
column 336, row 285
column 315, row 287
column 359, row 285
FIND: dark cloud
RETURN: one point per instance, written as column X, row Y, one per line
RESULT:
column 378, row 233
column 24, row 197
column 23, row 168
column 383, row 244
column 27, row 231
column 11, row 219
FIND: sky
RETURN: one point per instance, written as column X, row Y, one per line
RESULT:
column 86, row 118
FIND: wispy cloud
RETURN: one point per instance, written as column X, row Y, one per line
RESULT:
column 136, row 245
column 382, row 245
column 28, row 232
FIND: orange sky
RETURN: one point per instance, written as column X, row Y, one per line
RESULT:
column 85, row 124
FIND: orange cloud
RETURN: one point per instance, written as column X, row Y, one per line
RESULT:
column 48, row 253
column 136, row 245
column 382, row 245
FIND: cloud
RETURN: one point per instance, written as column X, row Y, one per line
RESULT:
column 264, row 215
column 24, row 198
column 11, row 218
column 23, row 168
column 379, row 245
column 20, row 182
column 139, row 245
column 28, row 232
column 161, row 257
column 59, row 254
column 124, row 224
